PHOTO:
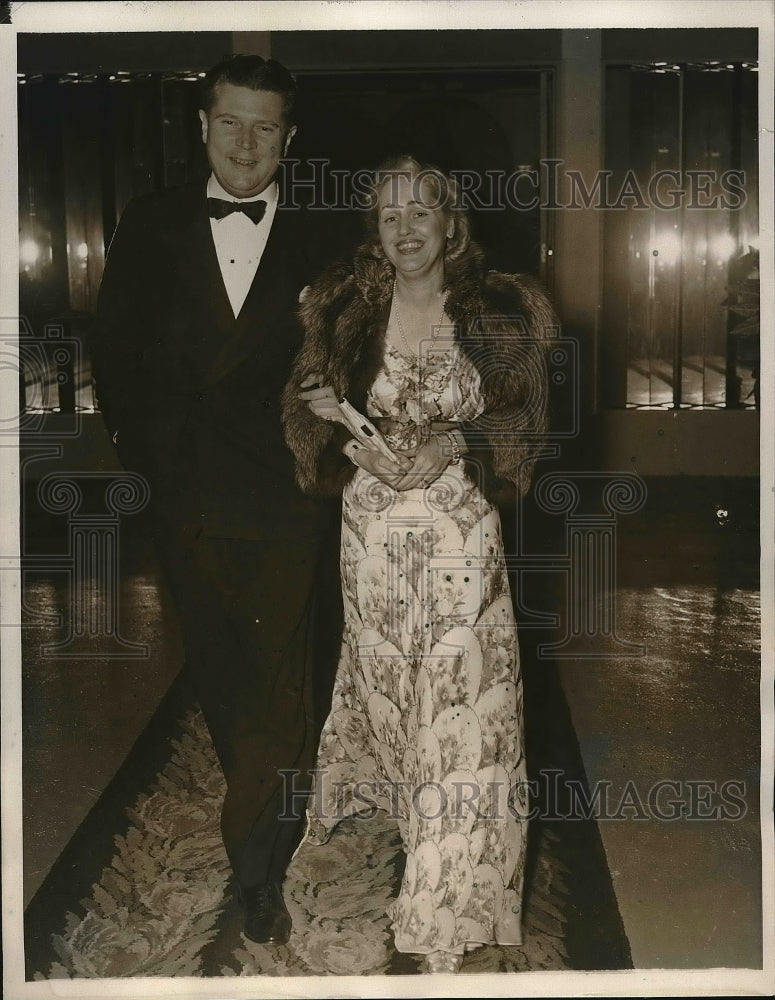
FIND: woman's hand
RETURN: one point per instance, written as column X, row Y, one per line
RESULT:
column 321, row 399
column 381, row 467
column 428, row 463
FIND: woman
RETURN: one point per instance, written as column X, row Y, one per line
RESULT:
column 448, row 362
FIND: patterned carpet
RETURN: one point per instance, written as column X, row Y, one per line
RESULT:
column 164, row 899
column 144, row 889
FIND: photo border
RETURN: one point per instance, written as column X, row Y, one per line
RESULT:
column 343, row 16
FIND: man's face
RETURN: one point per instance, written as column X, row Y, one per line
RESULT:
column 245, row 135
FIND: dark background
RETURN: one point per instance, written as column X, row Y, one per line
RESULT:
column 648, row 337
column 103, row 118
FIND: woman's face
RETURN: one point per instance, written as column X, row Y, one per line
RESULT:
column 412, row 230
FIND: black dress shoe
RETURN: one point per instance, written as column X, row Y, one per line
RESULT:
column 267, row 920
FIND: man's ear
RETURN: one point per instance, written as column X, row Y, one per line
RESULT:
column 203, row 120
column 289, row 136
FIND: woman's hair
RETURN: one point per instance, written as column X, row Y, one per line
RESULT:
column 255, row 73
column 446, row 195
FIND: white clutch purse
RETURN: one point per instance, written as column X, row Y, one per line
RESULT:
column 363, row 430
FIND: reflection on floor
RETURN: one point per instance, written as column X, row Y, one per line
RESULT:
column 703, row 382
column 675, row 732
column 82, row 716
column 686, row 711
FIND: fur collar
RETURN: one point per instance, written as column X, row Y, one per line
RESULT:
column 495, row 315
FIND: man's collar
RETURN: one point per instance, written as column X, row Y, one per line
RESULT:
column 216, row 190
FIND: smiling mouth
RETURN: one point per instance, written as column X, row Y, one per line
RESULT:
column 243, row 163
column 409, row 246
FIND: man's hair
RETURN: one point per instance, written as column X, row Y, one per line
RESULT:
column 255, row 73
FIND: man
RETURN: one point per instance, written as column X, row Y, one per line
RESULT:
column 196, row 335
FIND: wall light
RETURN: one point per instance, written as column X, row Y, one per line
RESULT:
column 722, row 247
column 668, row 248
column 29, row 252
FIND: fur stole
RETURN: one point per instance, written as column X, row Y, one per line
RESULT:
column 503, row 323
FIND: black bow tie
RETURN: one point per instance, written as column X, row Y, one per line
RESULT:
column 219, row 209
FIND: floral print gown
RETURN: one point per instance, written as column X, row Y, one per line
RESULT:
column 426, row 718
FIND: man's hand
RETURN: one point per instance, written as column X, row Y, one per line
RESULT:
column 321, row 399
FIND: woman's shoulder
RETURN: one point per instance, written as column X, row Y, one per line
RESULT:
column 507, row 283
column 363, row 276
column 519, row 294
column 333, row 284
column 470, row 274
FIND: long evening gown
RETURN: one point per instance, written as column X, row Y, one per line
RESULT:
column 426, row 718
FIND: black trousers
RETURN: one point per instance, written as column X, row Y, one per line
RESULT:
column 262, row 626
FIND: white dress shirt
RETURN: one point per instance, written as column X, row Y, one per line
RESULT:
column 240, row 242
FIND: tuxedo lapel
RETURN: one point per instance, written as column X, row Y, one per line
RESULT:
column 274, row 261
column 268, row 299
column 200, row 272
column 200, row 327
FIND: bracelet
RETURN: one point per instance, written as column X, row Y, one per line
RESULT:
column 350, row 448
column 455, row 448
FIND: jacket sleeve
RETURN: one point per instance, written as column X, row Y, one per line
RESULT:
column 118, row 342
column 321, row 467
column 508, row 346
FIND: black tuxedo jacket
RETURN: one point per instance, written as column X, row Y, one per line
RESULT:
column 191, row 392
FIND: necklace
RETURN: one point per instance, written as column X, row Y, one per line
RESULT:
column 436, row 328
